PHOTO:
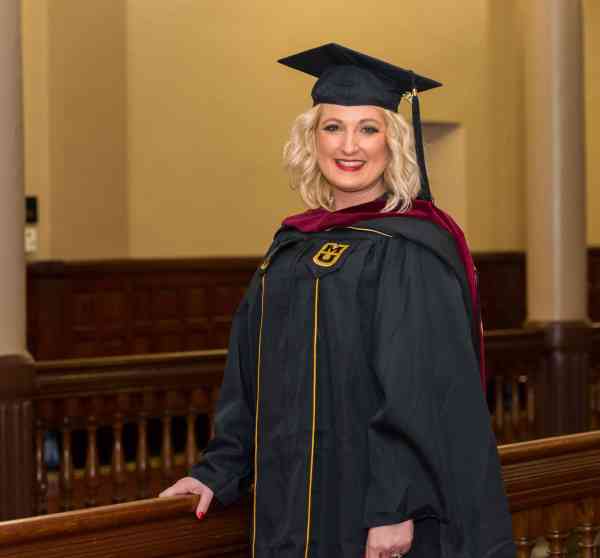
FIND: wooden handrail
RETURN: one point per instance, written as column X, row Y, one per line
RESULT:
column 551, row 470
column 548, row 477
column 158, row 528
column 94, row 519
column 65, row 376
column 62, row 377
column 127, row 360
column 520, row 452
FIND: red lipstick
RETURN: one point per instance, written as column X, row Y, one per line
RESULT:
column 349, row 166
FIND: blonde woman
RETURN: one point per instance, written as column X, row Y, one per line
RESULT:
column 352, row 397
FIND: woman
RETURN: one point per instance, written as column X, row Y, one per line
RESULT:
column 352, row 394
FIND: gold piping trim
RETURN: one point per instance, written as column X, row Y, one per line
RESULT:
column 260, row 330
column 370, row 230
column 314, row 411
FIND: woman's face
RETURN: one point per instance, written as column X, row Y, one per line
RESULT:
column 351, row 147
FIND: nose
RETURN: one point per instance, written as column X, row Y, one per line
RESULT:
column 349, row 145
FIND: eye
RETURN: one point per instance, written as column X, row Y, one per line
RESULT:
column 370, row 130
column 331, row 128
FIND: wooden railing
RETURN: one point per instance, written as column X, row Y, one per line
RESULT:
column 517, row 362
column 553, row 486
column 157, row 528
column 513, row 358
column 121, row 429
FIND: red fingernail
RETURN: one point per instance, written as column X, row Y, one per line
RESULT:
column 200, row 515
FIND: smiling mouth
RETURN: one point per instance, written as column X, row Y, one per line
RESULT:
column 349, row 165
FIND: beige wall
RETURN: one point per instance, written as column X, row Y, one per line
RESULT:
column 34, row 22
column 209, row 110
column 75, row 125
column 164, row 121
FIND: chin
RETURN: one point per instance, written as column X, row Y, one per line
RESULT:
column 355, row 185
column 349, row 188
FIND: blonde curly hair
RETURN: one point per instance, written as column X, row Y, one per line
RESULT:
column 400, row 178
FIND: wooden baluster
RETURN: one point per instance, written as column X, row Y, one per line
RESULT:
column 191, row 448
column 143, row 488
column 596, row 508
column 213, row 396
column 530, row 406
column 587, row 529
column 523, row 540
column 41, row 477
column 66, row 462
column 118, row 458
column 167, row 446
column 597, row 398
column 555, row 534
column 66, row 468
column 593, row 391
column 43, row 413
column 92, row 481
column 498, row 379
column 191, row 451
column 515, row 410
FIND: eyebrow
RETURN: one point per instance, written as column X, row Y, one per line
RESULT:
column 361, row 121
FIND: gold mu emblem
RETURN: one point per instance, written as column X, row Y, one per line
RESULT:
column 329, row 254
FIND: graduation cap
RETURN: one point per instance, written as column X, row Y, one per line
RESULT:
column 347, row 77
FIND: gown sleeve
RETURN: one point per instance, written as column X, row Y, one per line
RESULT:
column 226, row 464
column 432, row 453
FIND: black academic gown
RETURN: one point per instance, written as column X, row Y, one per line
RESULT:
column 352, row 399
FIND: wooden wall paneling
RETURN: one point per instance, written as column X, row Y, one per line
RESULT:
column 17, row 437
column 46, row 301
column 103, row 308
column 594, row 388
column 122, row 307
column 594, row 284
column 502, row 280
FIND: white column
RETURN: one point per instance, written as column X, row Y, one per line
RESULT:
column 12, row 201
column 556, row 229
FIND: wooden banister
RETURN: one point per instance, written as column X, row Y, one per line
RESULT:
column 159, row 527
column 140, row 400
column 553, row 487
column 549, row 447
column 86, row 375
column 551, row 470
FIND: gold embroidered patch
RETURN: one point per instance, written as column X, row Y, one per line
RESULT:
column 329, row 254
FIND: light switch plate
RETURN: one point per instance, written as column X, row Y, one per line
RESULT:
column 31, row 240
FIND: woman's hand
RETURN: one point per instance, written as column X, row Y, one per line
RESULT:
column 388, row 540
column 189, row 485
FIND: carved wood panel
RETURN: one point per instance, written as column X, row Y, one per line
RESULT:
column 103, row 308
column 86, row 309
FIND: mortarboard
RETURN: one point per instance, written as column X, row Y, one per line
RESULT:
column 347, row 77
